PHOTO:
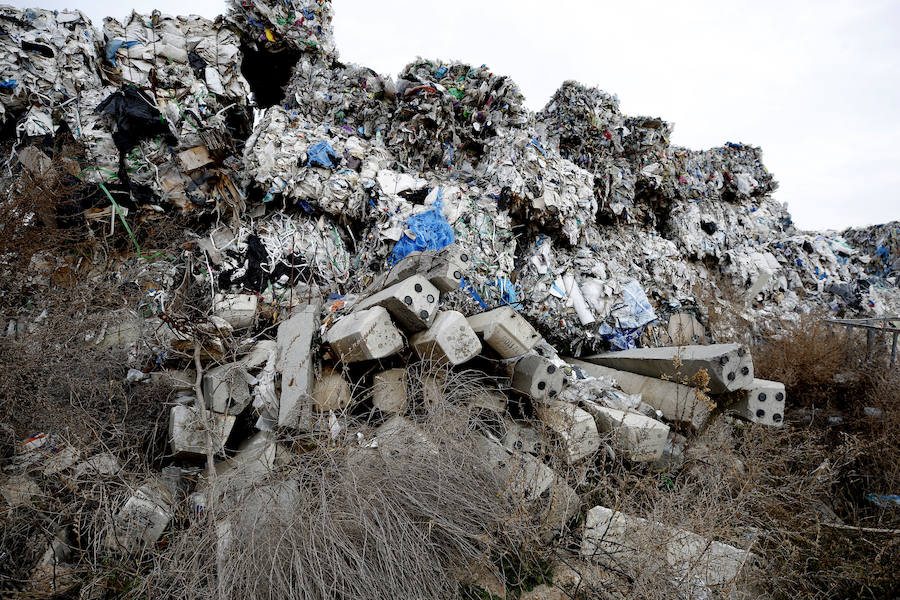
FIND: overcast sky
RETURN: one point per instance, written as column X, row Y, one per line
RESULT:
column 816, row 84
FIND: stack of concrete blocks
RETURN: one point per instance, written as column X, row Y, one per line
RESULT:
column 642, row 438
column 412, row 302
column 449, row 340
column 676, row 402
column 729, row 366
column 142, row 520
column 189, row 431
column 295, row 363
column 762, row 402
column 365, row 335
column 619, row 539
column 507, row 332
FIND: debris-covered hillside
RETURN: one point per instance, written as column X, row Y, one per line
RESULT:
column 264, row 307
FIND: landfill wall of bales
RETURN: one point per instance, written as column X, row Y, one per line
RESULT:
column 278, row 326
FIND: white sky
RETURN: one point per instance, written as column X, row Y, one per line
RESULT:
column 815, row 83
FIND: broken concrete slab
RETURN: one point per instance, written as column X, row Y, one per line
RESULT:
column 259, row 354
column 642, row 438
column 729, row 366
column 622, row 539
column 574, row 427
column 226, row 389
column 365, row 335
column 412, row 302
column 239, row 310
column 449, row 340
column 143, row 518
column 677, row 402
column 389, row 391
column 188, row 431
column 295, row 363
column 762, row 402
column 537, row 377
column 331, row 391
column 507, row 332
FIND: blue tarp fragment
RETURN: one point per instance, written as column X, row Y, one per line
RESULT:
column 320, row 154
column 112, row 46
column 431, row 232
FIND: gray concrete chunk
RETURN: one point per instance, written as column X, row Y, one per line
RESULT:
column 412, row 302
column 365, row 335
column 225, row 388
column 537, row 377
column 448, row 340
column 762, row 402
column 389, row 391
column 730, row 366
column 506, row 331
column 448, row 268
column 295, row 363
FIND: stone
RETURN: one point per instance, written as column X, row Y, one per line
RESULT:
column 188, row 433
column 142, row 520
column 239, row 310
column 226, row 389
column 622, row 539
column 762, row 402
column 449, row 340
column 365, row 335
column 537, row 377
column 522, row 476
column 642, row 438
column 729, row 366
column 331, row 391
column 448, row 267
column 389, row 391
column 507, row 332
column 574, row 427
column 412, row 302
column 295, row 363
column 675, row 401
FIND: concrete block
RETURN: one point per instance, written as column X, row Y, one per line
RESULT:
column 762, row 402
column 730, row 366
column 238, row 309
column 125, row 332
column 412, row 302
column 561, row 506
column 490, row 400
column 259, row 353
column 295, row 363
column 448, row 268
column 225, row 388
column 574, row 427
column 365, row 335
column 675, row 401
column 506, row 331
column 522, row 476
column 522, row 438
column 254, row 461
column 642, row 438
column 537, row 377
column 448, row 340
column 177, row 380
column 673, row 454
column 142, row 520
column 622, row 539
column 18, row 490
column 399, row 435
column 331, row 391
column 684, row 328
column 188, row 432
column 389, row 391
column 413, row 263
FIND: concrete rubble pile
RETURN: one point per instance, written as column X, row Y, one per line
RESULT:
column 365, row 225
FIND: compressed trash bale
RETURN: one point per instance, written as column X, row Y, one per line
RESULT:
column 295, row 362
column 225, row 388
column 622, row 539
column 238, row 309
column 365, row 335
column 448, row 340
column 537, row 377
column 762, row 402
column 188, row 433
column 331, row 391
column 642, row 438
column 573, row 426
column 412, row 302
column 448, row 268
column 506, row 331
column 389, row 391
column 142, row 520
column 677, row 402
column 729, row 366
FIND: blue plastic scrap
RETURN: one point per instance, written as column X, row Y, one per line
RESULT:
column 640, row 311
column 430, row 231
column 507, row 292
column 8, row 84
column 112, row 46
column 884, row 500
column 468, row 287
column 320, row 154
column 620, row 339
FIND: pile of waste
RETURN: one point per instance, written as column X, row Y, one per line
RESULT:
column 361, row 224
